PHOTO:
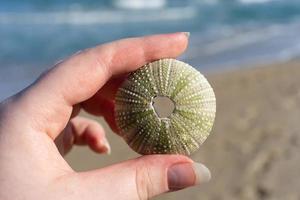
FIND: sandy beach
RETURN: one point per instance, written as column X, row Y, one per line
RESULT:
column 253, row 151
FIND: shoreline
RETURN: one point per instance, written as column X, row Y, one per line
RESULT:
column 248, row 67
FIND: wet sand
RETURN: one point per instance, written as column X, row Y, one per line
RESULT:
column 254, row 149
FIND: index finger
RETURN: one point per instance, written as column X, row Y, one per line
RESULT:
column 50, row 99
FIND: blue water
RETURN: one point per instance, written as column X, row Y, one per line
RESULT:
column 224, row 34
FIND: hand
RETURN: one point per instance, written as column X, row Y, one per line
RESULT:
column 31, row 164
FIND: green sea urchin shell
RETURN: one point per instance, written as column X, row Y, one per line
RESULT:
column 185, row 129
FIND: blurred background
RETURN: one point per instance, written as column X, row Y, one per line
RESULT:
column 249, row 50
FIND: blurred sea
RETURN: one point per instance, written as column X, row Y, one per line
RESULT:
column 224, row 33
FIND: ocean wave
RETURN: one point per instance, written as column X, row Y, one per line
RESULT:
column 239, row 38
column 139, row 4
column 232, row 47
column 255, row 1
column 97, row 17
column 213, row 2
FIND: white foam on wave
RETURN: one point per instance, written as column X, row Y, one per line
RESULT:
column 97, row 17
column 254, row 1
column 139, row 4
column 238, row 1
column 238, row 39
column 240, row 47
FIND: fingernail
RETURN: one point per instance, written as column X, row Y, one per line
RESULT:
column 187, row 34
column 107, row 146
column 185, row 175
column 202, row 173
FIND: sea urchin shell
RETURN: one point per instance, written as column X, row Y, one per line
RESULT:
column 189, row 119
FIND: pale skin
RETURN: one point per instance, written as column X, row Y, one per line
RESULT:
column 41, row 124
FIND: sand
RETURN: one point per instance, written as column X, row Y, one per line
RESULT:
column 254, row 149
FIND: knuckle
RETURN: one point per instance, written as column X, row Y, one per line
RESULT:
column 5, row 105
column 93, row 123
column 144, row 185
column 6, row 111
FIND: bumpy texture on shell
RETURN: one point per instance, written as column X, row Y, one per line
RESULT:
column 185, row 129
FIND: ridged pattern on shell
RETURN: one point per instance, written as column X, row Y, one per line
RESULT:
column 191, row 121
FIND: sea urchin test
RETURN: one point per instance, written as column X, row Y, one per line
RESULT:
column 165, row 107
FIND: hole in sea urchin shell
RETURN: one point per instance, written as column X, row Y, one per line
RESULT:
column 163, row 106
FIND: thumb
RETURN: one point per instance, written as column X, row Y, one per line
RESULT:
column 144, row 177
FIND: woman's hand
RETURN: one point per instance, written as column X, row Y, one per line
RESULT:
column 40, row 123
